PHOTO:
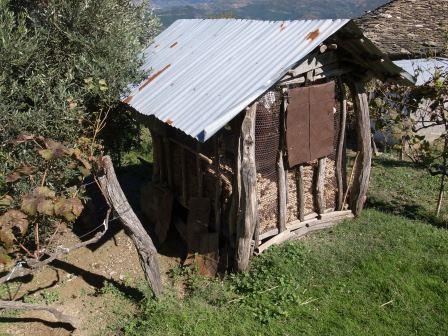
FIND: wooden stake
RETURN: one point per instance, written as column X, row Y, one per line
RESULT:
column 340, row 152
column 218, row 186
column 169, row 167
column 248, row 219
column 281, row 193
column 301, row 192
column 183, row 167
column 320, row 185
column 199, row 173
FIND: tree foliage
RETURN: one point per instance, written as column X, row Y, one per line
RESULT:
column 64, row 65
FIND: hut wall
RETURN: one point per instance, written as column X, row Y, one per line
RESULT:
column 268, row 142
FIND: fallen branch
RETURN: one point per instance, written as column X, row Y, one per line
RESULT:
column 61, row 317
column 32, row 265
column 145, row 247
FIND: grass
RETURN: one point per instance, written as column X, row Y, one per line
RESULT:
column 385, row 273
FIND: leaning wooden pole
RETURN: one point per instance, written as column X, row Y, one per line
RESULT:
column 340, row 152
column 320, row 185
column 145, row 247
column 358, row 195
column 248, row 216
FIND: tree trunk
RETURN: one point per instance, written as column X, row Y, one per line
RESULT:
column 142, row 241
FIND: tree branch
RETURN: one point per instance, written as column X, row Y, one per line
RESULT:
column 33, row 265
column 61, row 317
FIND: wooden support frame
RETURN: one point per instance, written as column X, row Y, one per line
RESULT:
column 363, row 166
column 248, row 217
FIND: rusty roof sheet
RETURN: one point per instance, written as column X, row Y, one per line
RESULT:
column 205, row 72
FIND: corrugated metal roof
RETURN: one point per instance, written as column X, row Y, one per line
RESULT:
column 423, row 69
column 205, row 72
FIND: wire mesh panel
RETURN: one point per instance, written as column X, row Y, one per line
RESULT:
column 267, row 142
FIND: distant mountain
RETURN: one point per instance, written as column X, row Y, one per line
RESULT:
column 171, row 10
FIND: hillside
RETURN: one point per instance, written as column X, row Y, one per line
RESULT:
column 172, row 10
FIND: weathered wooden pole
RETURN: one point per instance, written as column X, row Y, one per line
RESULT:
column 301, row 192
column 281, row 193
column 358, row 195
column 320, row 185
column 340, row 151
column 248, row 216
column 145, row 247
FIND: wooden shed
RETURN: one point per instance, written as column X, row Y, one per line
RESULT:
column 249, row 120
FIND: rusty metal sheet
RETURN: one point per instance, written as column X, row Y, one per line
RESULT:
column 322, row 102
column 298, row 126
column 310, row 123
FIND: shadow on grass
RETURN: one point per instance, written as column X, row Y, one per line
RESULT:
column 392, row 163
column 411, row 211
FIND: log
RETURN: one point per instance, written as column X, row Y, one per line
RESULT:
column 358, row 195
column 281, row 193
column 296, row 225
column 203, row 157
column 61, row 317
column 340, row 151
column 320, row 185
column 301, row 193
column 145, row 247
column 277, row 240
column 249, row 204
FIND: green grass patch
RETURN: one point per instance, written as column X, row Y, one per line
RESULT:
column 382, row 274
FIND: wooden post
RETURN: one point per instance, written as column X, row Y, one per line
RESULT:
column 340, row 151
column 218, row 185
column 199, row 172
column 248, row 218
column 301, row 192
column 281, row 193
column 169, row 167
column 183, row 167
column 358, row 195
column 320, row 185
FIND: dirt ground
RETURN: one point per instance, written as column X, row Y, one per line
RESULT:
column 98, row 287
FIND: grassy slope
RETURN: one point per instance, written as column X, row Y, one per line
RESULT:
column 333, row 283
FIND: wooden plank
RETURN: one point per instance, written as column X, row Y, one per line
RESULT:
column 335, row 214
column 278, row 239
column 320, row 185
column 248, row 219
column 314, row 62
column 358, row 195
column 296, row 225
column 281, row 193
column 203, row 157
column 340, row 151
